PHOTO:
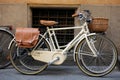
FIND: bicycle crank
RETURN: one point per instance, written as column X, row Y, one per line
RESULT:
column 50, row 57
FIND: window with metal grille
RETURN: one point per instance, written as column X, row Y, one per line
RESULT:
column 61, row 15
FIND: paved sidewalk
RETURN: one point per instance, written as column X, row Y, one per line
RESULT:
column 55, row 73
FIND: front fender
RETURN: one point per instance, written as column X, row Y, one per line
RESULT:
column 79, row 40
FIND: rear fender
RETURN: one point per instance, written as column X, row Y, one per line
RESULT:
column 11, row 42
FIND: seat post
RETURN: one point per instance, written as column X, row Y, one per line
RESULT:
column 51, row 39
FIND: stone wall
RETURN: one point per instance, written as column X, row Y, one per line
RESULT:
column 13, row 14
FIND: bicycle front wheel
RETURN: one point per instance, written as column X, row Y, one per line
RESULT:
column 5, row 38
column 106, row 58
column 24, row 62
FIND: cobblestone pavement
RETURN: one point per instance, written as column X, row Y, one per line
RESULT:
column 56, row 73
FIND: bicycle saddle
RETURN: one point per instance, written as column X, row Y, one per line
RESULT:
column 48, row 23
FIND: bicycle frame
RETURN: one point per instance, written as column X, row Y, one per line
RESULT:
column 57, row 53
column 84, row 32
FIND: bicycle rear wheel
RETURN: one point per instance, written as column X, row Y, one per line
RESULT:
column 24, row 62
column 5, row 38
column 106, row 58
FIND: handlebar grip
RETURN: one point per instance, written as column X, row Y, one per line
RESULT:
column 75, row 15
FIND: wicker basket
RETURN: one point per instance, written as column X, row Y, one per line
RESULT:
column 98, row 25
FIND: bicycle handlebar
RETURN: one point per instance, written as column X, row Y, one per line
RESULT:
column 85, row 14
column 75, row 15
column 80, row 15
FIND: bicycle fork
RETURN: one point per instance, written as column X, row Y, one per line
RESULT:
column 91, row 46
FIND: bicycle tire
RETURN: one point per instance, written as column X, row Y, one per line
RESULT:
column 5, row 38
column 105, row 61
column 24, row 63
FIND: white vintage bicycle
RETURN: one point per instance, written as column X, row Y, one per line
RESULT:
column 94, row 54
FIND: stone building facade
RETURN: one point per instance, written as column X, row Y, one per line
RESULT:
column 18, row 13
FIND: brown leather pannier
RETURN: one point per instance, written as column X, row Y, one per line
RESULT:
column 27, row 37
